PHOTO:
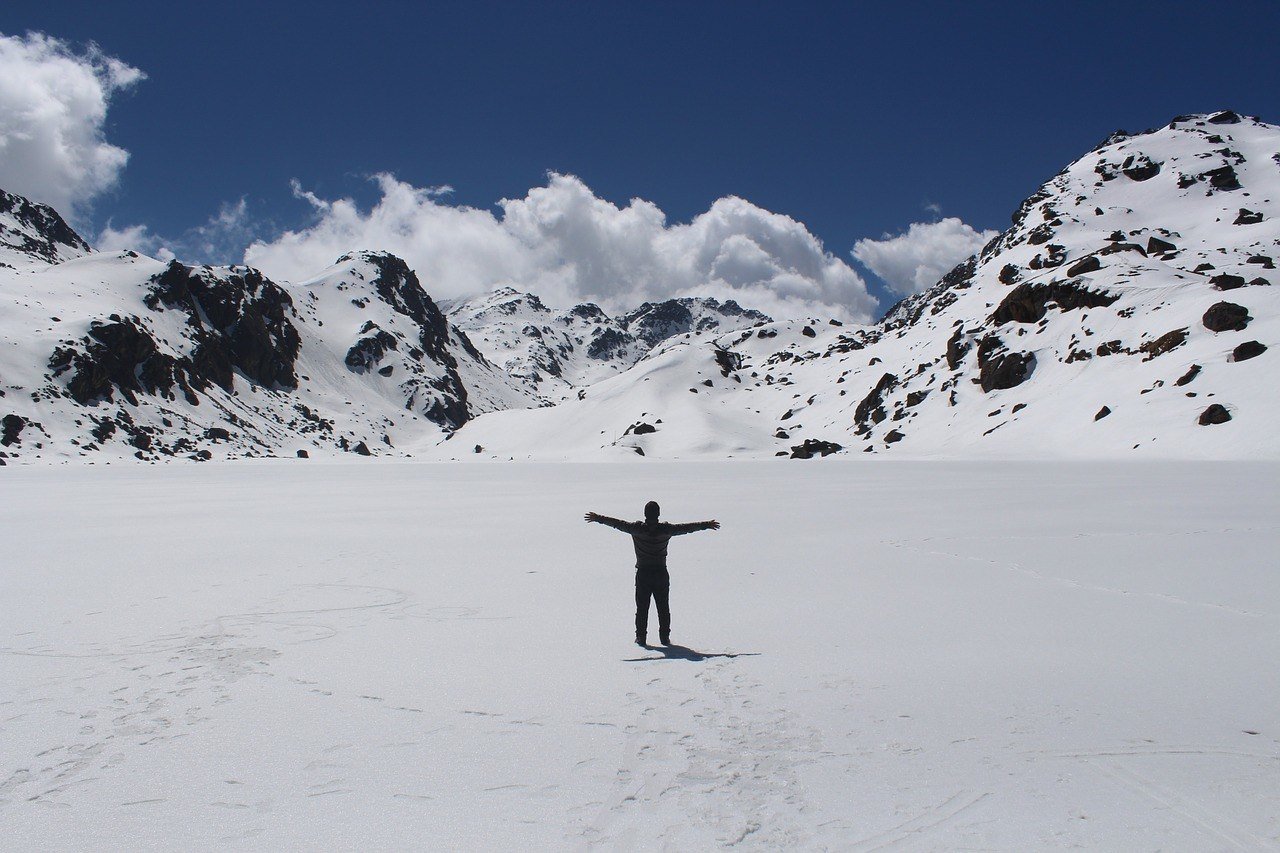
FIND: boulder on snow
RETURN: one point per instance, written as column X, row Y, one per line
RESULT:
column 1167, row 342
column 813, row 446
column 1247, row 217
column 1186, row 378
column 1084, row 265
column 1226, row 317
column 11, row 427
column 1215, row 414
column 998, row 368
column 1139, row 167
column 1102, row 413
column 1248, row 350
column 1028, row 302
column 1156, row 246
column 1226, row 281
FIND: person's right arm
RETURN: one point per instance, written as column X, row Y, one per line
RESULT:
column 615, row 523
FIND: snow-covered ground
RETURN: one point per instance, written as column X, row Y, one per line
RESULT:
column 305, row 655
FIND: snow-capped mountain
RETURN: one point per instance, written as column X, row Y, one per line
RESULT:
column 116, row 355
column 556, row 352
column 1129, row 310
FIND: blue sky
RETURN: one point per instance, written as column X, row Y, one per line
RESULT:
column 856, row 119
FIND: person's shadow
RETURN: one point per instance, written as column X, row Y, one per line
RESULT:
column 685, row 653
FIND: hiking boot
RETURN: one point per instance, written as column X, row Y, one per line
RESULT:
column 641, row 641
column 665, row 639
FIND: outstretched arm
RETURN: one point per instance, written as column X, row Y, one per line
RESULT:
column 694, row 527
column 615, row 523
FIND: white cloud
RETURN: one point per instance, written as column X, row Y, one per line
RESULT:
column 223, row 236
column 911, row 262
column 567, row 245
column 53, row 104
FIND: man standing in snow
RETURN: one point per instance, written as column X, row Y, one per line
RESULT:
column 650, row 538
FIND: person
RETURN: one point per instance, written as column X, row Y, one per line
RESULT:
column 650, row 538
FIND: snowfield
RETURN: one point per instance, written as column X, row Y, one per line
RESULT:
column 874, row 654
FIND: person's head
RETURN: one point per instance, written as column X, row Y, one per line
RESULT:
column 651, row 510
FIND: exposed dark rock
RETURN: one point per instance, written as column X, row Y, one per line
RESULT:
column 1009, row 274
column 117, row 355
column 1084, row 265
column 808, row 332
column 608, row 343
column 1223, row 178
column 362, row 449
column 728, row 361
column 1185, row 379
column 998, row 368
column 1116, row 248
column 893, row 436
column 1028, row 302
column 1140, row 167
column 1248, row 350
column 871, row 409
column 641, row 428
column 915, row 398
column 1224, row 117
column 957, row 346
column 1167, row 342
column 368, row 351
column 1156, row 246
column 1264, row 260
column 11, row 429
column 1226, row 317
column 217, row 434
column 302, row 454
column 813, row 446
column 1102, row 413
column 1226, row 281
column 239, row 319
column 1040, row 234
column 44, row 235
column 1215, row 414
column 1247, row 217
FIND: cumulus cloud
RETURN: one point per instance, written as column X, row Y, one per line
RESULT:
column 220, row 238
column 53, row 105
column 566, row 244
column 914, row 261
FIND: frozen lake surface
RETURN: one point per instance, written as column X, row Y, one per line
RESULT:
column 927, row 656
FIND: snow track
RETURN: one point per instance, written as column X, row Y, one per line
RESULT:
column 915, row 656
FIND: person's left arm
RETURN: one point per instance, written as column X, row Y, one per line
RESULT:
column 694, row 527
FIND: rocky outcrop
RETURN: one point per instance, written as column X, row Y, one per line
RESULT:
column 1226, row 317
column 999, row 368
column 239, row 320
column 1028, row 303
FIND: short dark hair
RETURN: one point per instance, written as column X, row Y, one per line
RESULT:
column 651, row 510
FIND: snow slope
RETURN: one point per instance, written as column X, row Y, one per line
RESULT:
column 1062, row 656
column 1131, row 310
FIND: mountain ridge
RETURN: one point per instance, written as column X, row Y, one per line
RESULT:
column 1129, row 308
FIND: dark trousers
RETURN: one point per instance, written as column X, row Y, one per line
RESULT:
column 657, row 589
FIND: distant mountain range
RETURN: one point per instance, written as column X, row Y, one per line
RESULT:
column 1130, row 311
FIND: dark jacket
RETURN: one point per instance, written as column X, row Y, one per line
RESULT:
column 651, row 540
